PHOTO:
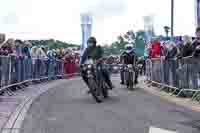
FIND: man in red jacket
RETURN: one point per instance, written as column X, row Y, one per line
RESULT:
column 156, row 49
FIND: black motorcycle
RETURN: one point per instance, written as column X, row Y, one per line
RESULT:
column 129, row 72
column 96, row 83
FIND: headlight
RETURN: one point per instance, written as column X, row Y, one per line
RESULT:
column 129, row 66
column 115, row 68
column 89, row 66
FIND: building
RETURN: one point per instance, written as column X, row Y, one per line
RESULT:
column 197, row 12
column 149, row 26
column 86, row 27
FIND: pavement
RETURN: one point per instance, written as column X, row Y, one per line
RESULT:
column 64, row 106
column 13, row 108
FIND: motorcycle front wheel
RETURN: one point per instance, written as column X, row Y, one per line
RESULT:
column 105, row 90
column 95, row 92
column 131, row 77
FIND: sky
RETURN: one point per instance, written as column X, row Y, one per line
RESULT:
column 60, row 19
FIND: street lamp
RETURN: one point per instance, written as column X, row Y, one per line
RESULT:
column 172, row 18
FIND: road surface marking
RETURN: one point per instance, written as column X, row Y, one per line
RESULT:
column 159, row 130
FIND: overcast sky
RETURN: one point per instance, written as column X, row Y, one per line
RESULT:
column 60, row 19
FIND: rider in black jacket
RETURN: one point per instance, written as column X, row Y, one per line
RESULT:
column 129, row 57
column 96, row 53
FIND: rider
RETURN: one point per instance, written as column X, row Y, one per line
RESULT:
column 122, row 70
column 129, row 57
column 96, row 53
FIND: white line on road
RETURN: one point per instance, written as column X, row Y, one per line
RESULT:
column 159, row 130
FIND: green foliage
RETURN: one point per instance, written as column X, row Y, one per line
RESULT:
column 116, row 47
column 53, row 44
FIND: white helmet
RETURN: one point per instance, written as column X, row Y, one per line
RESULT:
column 129, row 47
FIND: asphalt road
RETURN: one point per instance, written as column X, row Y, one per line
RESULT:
column 68, row 109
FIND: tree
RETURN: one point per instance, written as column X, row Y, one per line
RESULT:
column 53, row 44
column 166, row 29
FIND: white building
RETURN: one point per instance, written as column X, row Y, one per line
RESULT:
column 86, row 25
column 197, row 12
column 149, row 25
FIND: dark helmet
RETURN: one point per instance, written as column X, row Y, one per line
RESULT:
column 92, row 40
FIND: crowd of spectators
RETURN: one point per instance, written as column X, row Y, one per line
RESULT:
column 177, row 59
column 170, row 49
column 24, row 49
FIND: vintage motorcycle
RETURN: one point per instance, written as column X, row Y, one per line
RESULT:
column 129, row 74
column 98, row 88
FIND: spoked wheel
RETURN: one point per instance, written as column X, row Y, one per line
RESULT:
column 131, row 77
column 105, row 90
column 95, row 92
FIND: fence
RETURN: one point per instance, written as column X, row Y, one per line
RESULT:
column 178, row 74
column 18, row 70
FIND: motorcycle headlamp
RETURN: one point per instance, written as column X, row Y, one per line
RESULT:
column 89, row 66
column 129, row 66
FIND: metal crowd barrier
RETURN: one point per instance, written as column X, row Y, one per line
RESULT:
column 16, row 71
column 182, row 75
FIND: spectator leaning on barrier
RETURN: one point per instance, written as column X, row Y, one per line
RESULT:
column 51, row 66
column 26, row 49
column 172, row 62
column 186, row 49
column 27, row 62
column 7, row 47
column 179, row 48
column 33, row 52
column 189, row 70
column 44, row 49
column 172, row 53
column 7, row 50
column 164, row 49
column 155, row 49
column 67, row 61
column 18, row 46
column 59, row 54
column 73, row 63
column 77, row 57
column 196, row 43
column 41, row 54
